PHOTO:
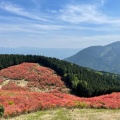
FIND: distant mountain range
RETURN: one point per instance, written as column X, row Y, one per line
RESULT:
column 102, row 58
column 60, row 53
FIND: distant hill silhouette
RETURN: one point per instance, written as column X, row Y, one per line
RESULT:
column 59, row 53
column 102, row 58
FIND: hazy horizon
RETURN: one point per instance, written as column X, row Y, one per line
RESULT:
column 60, row 53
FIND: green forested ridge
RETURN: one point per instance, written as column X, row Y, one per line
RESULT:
column 102, row 58
column 82, row 81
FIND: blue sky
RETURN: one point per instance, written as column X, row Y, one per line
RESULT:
column 59, row 23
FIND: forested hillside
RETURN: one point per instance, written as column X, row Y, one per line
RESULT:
column 100, row 58
column 82, row 81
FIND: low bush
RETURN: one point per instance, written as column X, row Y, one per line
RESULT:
column 1, row 110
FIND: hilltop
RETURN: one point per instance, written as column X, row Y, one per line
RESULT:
column 31, row 77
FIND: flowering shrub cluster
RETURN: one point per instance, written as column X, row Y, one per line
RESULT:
column 1, row 80
column 13, row 86
column 36, row 76
column 105, row 101
column 18, row 102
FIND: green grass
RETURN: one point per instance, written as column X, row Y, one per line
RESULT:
column 71, row 114
column 36, row 115
column 61, row 114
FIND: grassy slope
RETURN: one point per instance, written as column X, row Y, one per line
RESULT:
column 71, row 114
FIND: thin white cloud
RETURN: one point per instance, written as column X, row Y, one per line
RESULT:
column 52, row 11
column 102, row 2
column 82, row 13
column 49, row 27
column 19, row 28
column 37, row 2
column 29, row 28
column 18, row 10
column 86, row 14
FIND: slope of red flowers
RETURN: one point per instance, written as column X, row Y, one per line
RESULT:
column 104, row 101
column 16, row 103
column 17, row 98
column 36, row 78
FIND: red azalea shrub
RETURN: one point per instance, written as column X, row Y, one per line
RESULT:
column 16, row 103
column 105, row 101
column 31, row 101
column 36, row 75
column 22, row 102
column 13, row 86
column 1, row 80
